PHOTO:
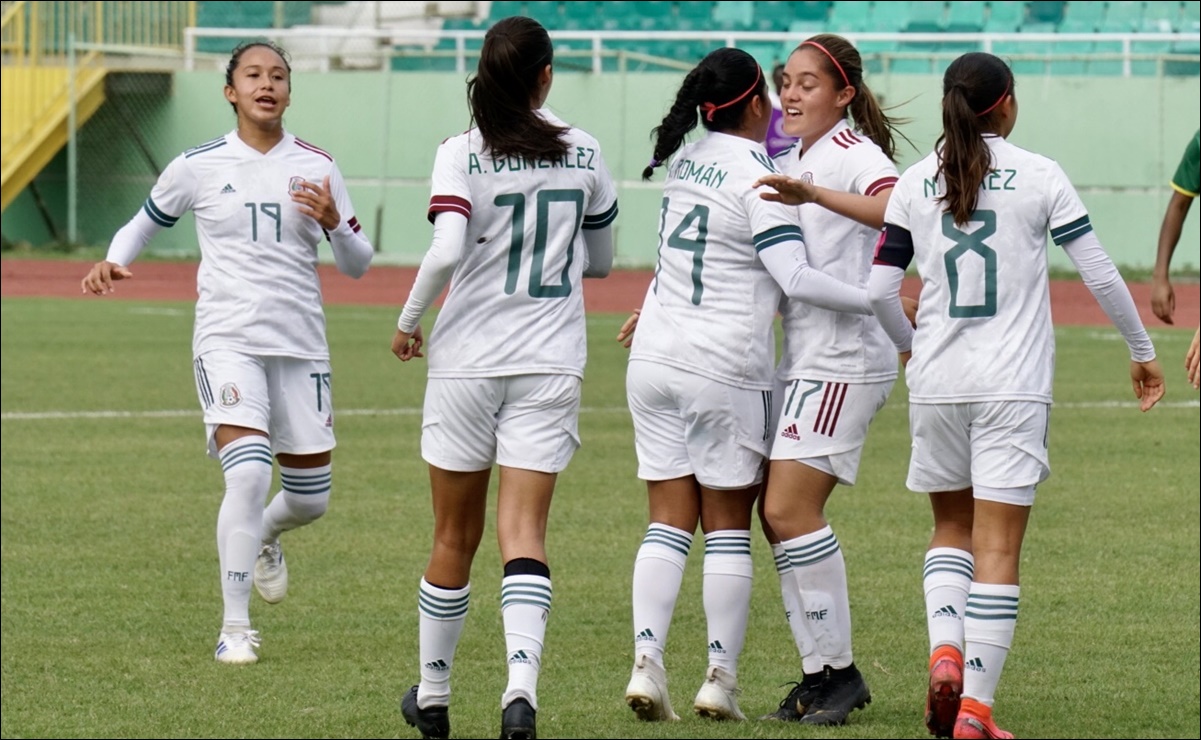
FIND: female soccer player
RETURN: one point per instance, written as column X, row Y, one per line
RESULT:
column 522, row 207
column 263, row 201
column 837, row 369
column 700, row 373
column 975, row 214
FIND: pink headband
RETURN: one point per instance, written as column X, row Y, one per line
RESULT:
column 826, row 51
column 710, row 108
column 990, row 108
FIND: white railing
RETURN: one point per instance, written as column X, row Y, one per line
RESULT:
column 325, row 48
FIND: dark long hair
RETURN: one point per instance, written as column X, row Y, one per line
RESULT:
column 500, row 94
column 973, row 88
column 842, row 62
column 722, row 85
column 235, row 58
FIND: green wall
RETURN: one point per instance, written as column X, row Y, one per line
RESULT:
column 1118, row 139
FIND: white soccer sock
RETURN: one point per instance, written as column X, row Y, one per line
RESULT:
column 247, row 465
column 441, row 613
column 727, row 594
column 524, row 606
column 658, row 572
column 794, row 612
column 304, row 498
column 989, row 621
column 947, row 576
column 821, row 575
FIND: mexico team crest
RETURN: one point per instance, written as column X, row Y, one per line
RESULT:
column 296, row 184
column 230, row 395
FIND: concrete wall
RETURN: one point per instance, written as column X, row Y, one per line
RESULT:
column 1119, row 139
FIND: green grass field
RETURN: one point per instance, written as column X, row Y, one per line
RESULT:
column 111, row 601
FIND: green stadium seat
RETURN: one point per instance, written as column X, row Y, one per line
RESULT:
column 927, row 15
column 1191, row 13
column 969, row 14
column 695, row 10
column 810, row 11
column 1032, row 27
column 1045, row 11
column 505, row 8
column 804, row 29
column 736, row 13
column 1084, row 12
column 890, row 16
column 772, row 16
column 846, row 16
column 767, row 53
column 1005, row 17
column 1078, row 25
column 1122, row 17
column 547, row 12
column 1168, row 13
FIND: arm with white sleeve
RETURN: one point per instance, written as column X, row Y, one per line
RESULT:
column 893, row 256
column 352, row 249
column 1105, row 283
column 437, row 267
column 785, row 259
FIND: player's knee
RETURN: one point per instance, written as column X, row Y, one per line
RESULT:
column 308, row 507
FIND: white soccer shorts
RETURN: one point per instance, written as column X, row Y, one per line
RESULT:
column 823, row 424
column 288, row 398
column 686, row 424
column 518, row 421
column 996, row 444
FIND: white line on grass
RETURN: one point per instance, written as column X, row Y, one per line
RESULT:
column 415, row 411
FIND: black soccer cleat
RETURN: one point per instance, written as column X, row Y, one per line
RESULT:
column 517, row 721
column 799, row 699
column 843, row 691
column 432, row 722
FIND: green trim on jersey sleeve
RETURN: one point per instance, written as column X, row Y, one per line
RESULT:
column 1187, row 180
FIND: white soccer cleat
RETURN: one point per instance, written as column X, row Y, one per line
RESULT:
column 647, row 691
column 271, row 573
column 716, row 699
column 238, row 648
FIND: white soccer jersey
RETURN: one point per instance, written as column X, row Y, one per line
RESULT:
column 257, row 285
column 984, row 320
column 820, row 344
column 516, row 304
column 710, row 308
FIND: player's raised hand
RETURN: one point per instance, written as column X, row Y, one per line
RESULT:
column 101, row 277
column 1147, row 379
column 789, row 191
column 316, row 201
column 407, row 346
column 625, row 335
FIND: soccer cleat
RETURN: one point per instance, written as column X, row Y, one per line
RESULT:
column 271, row 573
column 238, row 648
column 717, row 697
column 799, row 699
column 946, row 684
column 517, row 721
column 647, row 691
column 432, row 722
column 843, row 691
column 975, row 723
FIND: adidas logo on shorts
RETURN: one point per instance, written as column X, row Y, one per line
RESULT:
column 790, row 432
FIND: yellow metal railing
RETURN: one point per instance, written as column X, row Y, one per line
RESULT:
column 35, row 43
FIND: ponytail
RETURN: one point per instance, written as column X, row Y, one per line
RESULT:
column 842, row 62
column 502, row 92
column 974, row 85
column 721, row 86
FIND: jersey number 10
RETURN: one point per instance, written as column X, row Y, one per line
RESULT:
column 516, row 201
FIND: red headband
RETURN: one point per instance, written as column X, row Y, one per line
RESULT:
column 710, row 108
column 826, row 51
column 990, row 108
